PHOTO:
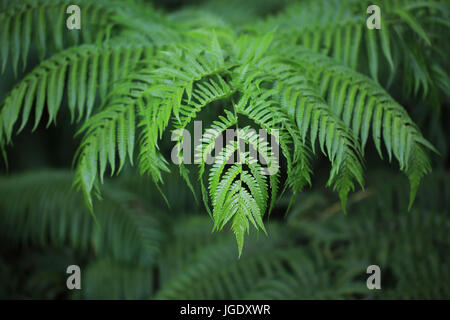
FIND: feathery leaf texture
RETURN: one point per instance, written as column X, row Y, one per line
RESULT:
column 407, row 48
column 141, row 76
column 26, row 24
column 190, row 263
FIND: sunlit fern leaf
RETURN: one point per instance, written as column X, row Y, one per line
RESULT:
column 262, row 107
column 236, row 194
column 202, row 93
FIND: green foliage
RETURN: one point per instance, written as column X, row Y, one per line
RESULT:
column 409, row 47
column 317, row 254
column 410, row 246
column 48, row 213
column 131, row 75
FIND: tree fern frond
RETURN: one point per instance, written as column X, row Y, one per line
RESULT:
column 25, row 23
column 338, row 29
column 109, row 131
column 153, row 94
column 87, row 68
column 299, row 98
column 361, row 104
column 230, row 199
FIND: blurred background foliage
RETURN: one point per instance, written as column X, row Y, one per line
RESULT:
column 145, row 249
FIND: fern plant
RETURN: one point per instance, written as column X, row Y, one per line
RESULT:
column 134, row 84
column 140, row 252
column 408, row 48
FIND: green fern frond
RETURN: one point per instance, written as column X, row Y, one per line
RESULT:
column 300, row 97
column 236, row 194
column 25, row 24
column 87, row 68
column 338, row 29
column 109, row 132
column 361, row 104
column 153, row 94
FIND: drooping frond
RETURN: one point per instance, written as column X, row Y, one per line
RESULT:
column 109, row 132
column 88, row 69
column 362, row 104
column 303, row 103
column 25, row 24
column 151, row 74
column 83, row 72
column 405, row 48
column 150, row 95
column 240, row 195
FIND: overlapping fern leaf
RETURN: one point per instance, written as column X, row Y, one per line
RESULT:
column 136, row 84
column 407, row 48
column 190, row 263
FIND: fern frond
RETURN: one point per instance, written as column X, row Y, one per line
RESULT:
column 361, row 104
column 338, row 29
column 153, row 93
column 24, row 24
column 109, row 132
column 299, row 97
column 236, row 194
column 47, row 211
column 87, row 69
column 304, row 105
